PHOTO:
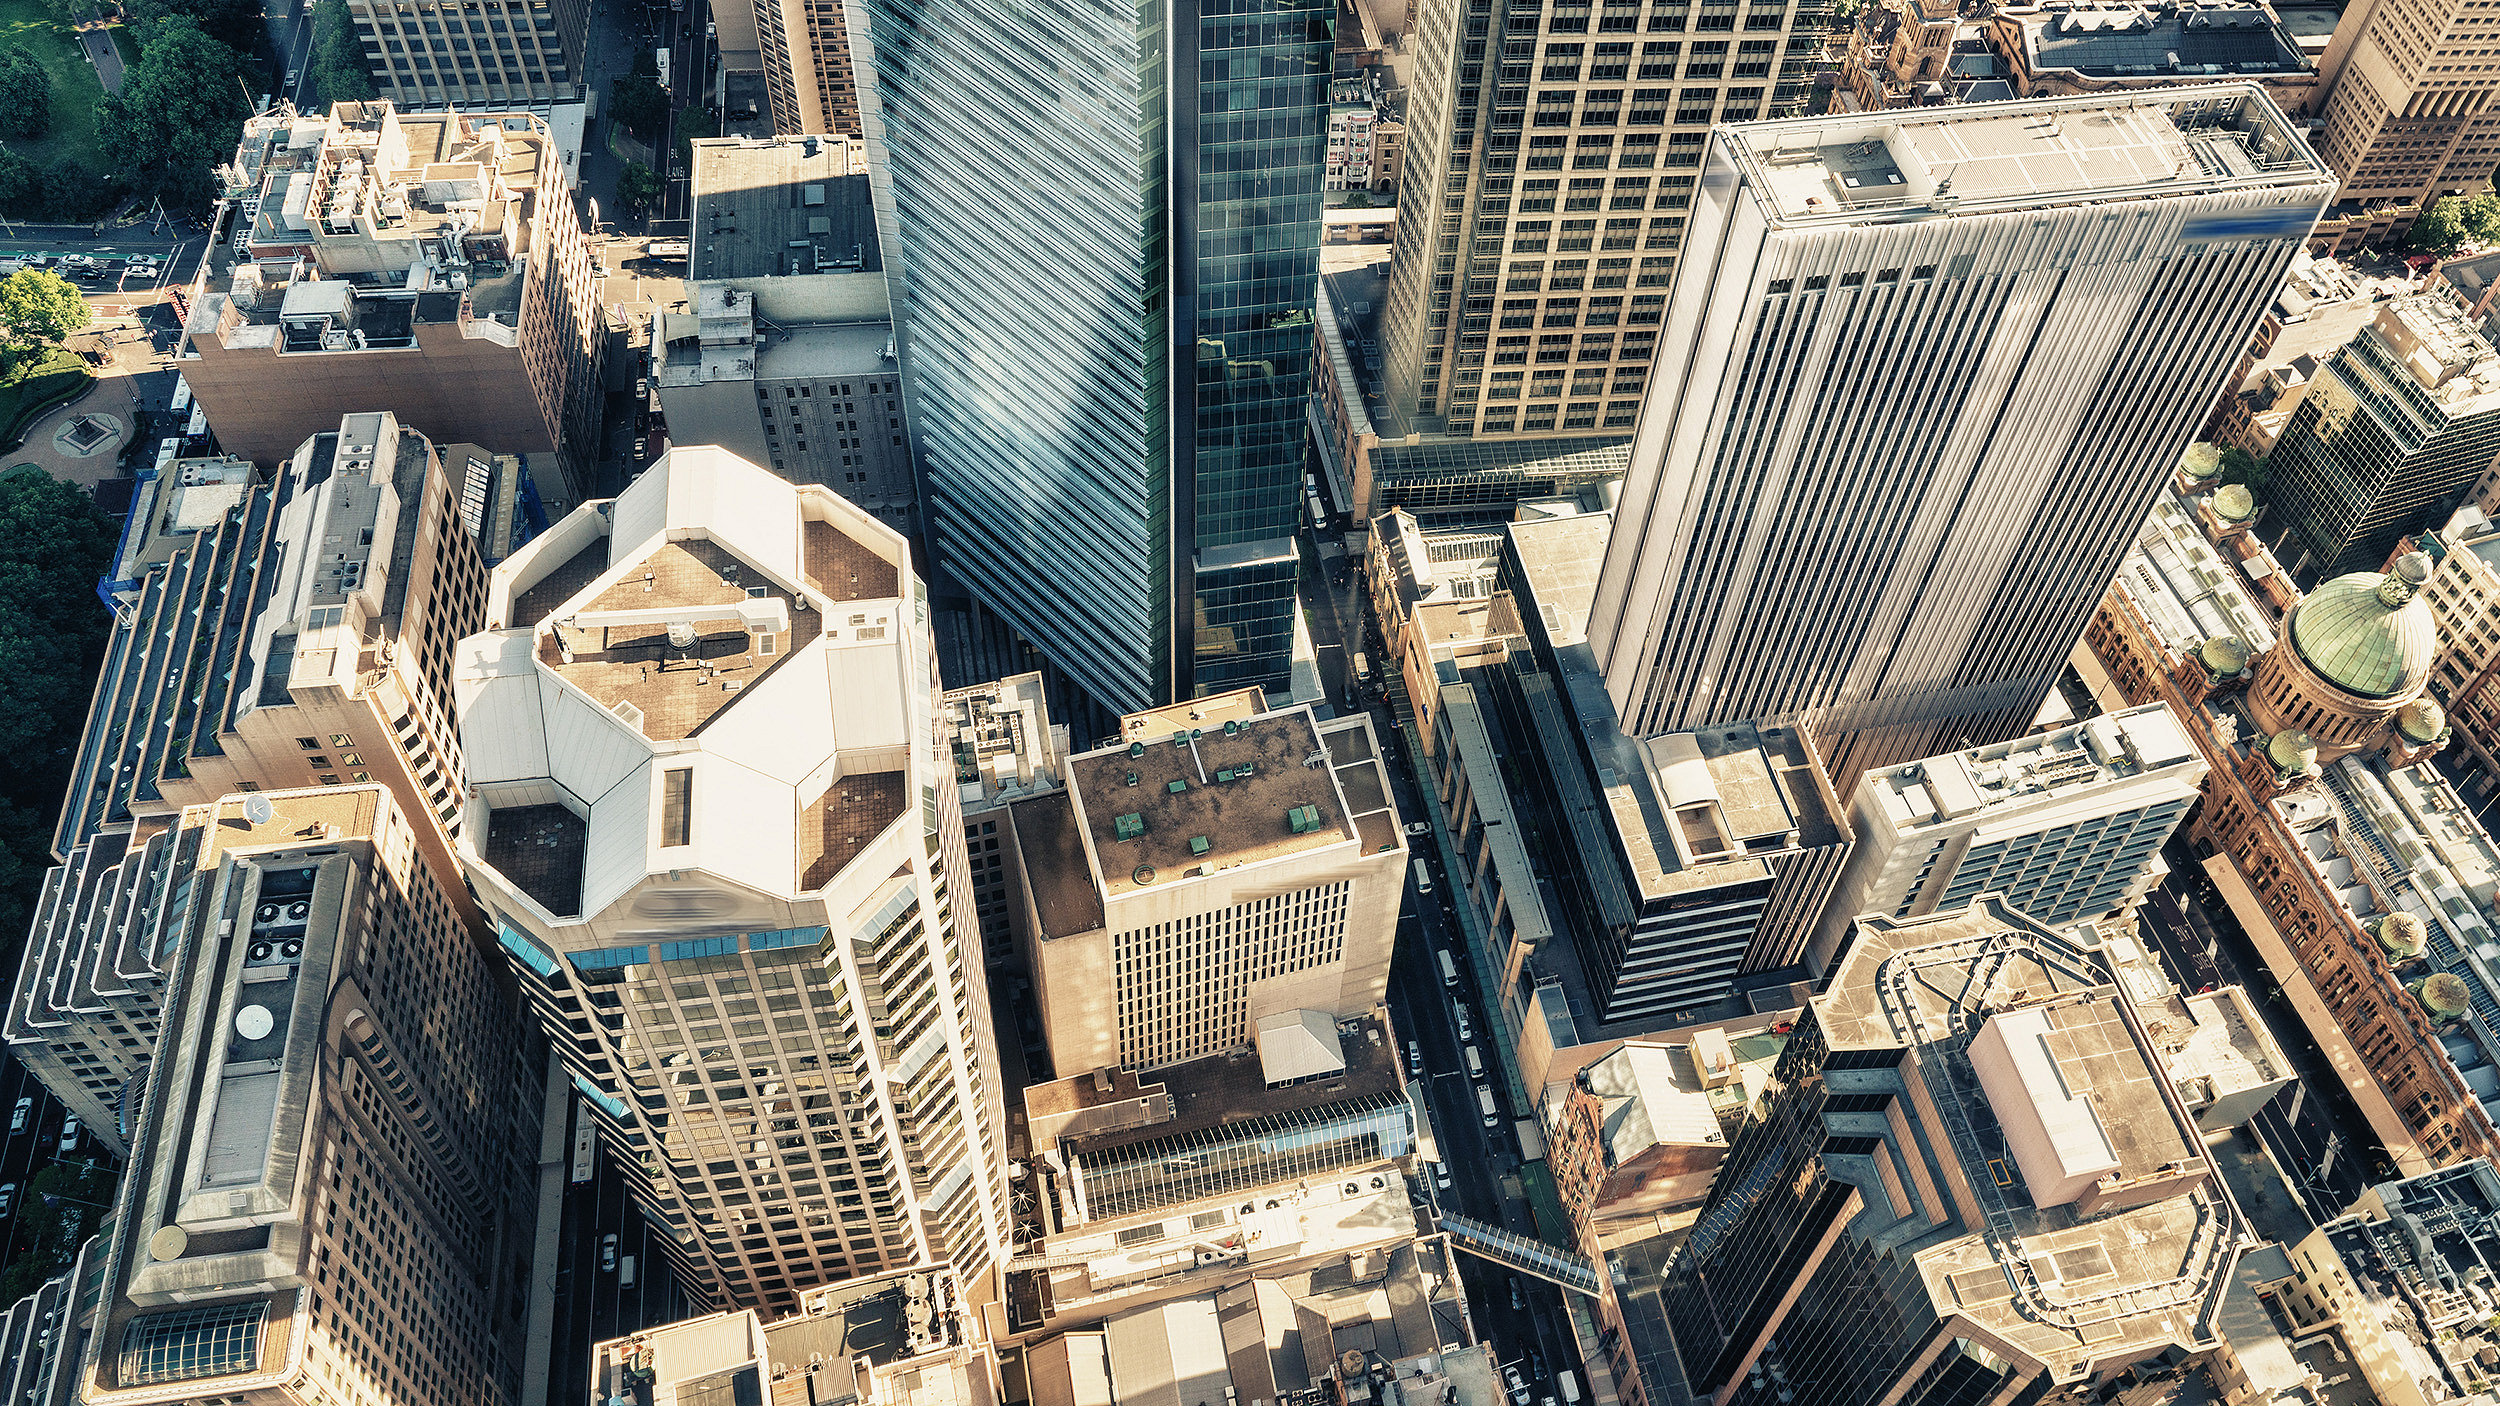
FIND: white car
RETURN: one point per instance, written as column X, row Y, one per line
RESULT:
column 1419, row 827
column 1518, row 1385
column 8, row 1196
column 69, row 1135
column 607, row 1252
column 17, row 1116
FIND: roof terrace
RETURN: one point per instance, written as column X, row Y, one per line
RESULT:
column 1197, row 800
column 2103, row 1234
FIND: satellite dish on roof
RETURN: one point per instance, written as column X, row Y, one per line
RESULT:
column 258, row 810
column 254, row 1022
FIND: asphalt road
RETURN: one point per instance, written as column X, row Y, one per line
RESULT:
column 593, row 1303
column 1521, row 1315
column 97, row 42
column 2311, row 1130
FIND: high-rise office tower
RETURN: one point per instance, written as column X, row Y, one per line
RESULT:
column 1213, row 875
column 1972, row 1181
column 1926, row 371
column 2065, row 824
column 293, row 633
column 516, row 52
column 1107, row 355
column 2408, row 111
column 714, row 814
column 2393, row 431
column 1551, row 156
column 332, row 1189
column 805, row 57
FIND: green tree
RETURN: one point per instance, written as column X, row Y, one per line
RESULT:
column 2481, row 218
column 62, row 1205
column 38, row 311
column 2441, row 229
column 639, row 103
column 233, row 23
column 177, row 111
column 637, row 187
column 338, row 55
column 25, row 95
column 53, row 547
column 2240, row 466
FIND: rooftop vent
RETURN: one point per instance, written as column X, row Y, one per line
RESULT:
column 1128, row 827
column 1178, row 785
column 1232, row 729
column 1197, row 844
column 1137, row 749
column 1302, row 820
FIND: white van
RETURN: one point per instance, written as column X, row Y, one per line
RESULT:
column 1475, row 1063
column 1423, row 878
column 1449, row 969
column 1570, row 1387
column 1466, row 1027
column 625, row 1272
column 1484, row 1100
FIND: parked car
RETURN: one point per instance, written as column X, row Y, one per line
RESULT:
column 8, row 1196
column 607, row 1253
column 1419, row 827
column 293, row 77
column 1518, row 1385
column 19, row 1115
column 69, row 1135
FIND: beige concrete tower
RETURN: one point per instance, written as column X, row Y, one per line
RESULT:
column 2409, row 110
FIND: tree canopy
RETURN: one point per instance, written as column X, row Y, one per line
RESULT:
column 338, row 56
column 38, row 311
column 639, row 103
column 177, row 112
column 637, row 187
column 233, row 23
column 2454, row 221
column 54, row 545
column 62, row 1206
column 25, row 95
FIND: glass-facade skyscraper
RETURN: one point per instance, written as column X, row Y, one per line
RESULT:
column 1102, row 224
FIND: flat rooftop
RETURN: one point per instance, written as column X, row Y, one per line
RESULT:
column 2013, row 155
column 2180, row 43
column 1560, row 558
column 775, row 206
column 673, row 691
column 1217, row 1091
column 2064, row 1287
column 1053, row 846
column 1222, row 796
column 2037, row 766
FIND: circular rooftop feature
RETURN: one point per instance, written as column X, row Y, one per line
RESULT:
column 2365, row 634
column 2224, row 655
column 2422, row 720
column 168, row 1243
column 2234, row 503
column 1142, row 875
column 2202, row 460
column 2293, row 751
column 2443, row 995
column 254, row 1022
column 2402, row 937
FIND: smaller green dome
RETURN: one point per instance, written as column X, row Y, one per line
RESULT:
column 2444, row 996
column 2422, row 720
column 2234, row 503
column 2202, row 460
column 2402, row 937
column 2225, row 656
column 2292, row 751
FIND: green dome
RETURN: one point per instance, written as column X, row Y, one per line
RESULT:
column 2444, row 996
column 2224, row 655
column 2422, row 720
column 2234, row 503
column 2365, row 634
column 2292, row 751
column 2202, row 460
column 2402, row 936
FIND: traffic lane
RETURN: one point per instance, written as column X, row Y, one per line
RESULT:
column 2213, row 931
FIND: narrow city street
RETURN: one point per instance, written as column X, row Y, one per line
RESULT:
column 2311, row 1130
column 1522, row 1316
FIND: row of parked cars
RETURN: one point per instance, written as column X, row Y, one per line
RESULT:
column 87, row 268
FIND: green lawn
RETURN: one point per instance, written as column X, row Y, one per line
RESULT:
column 126, row 46
column 25, row 25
